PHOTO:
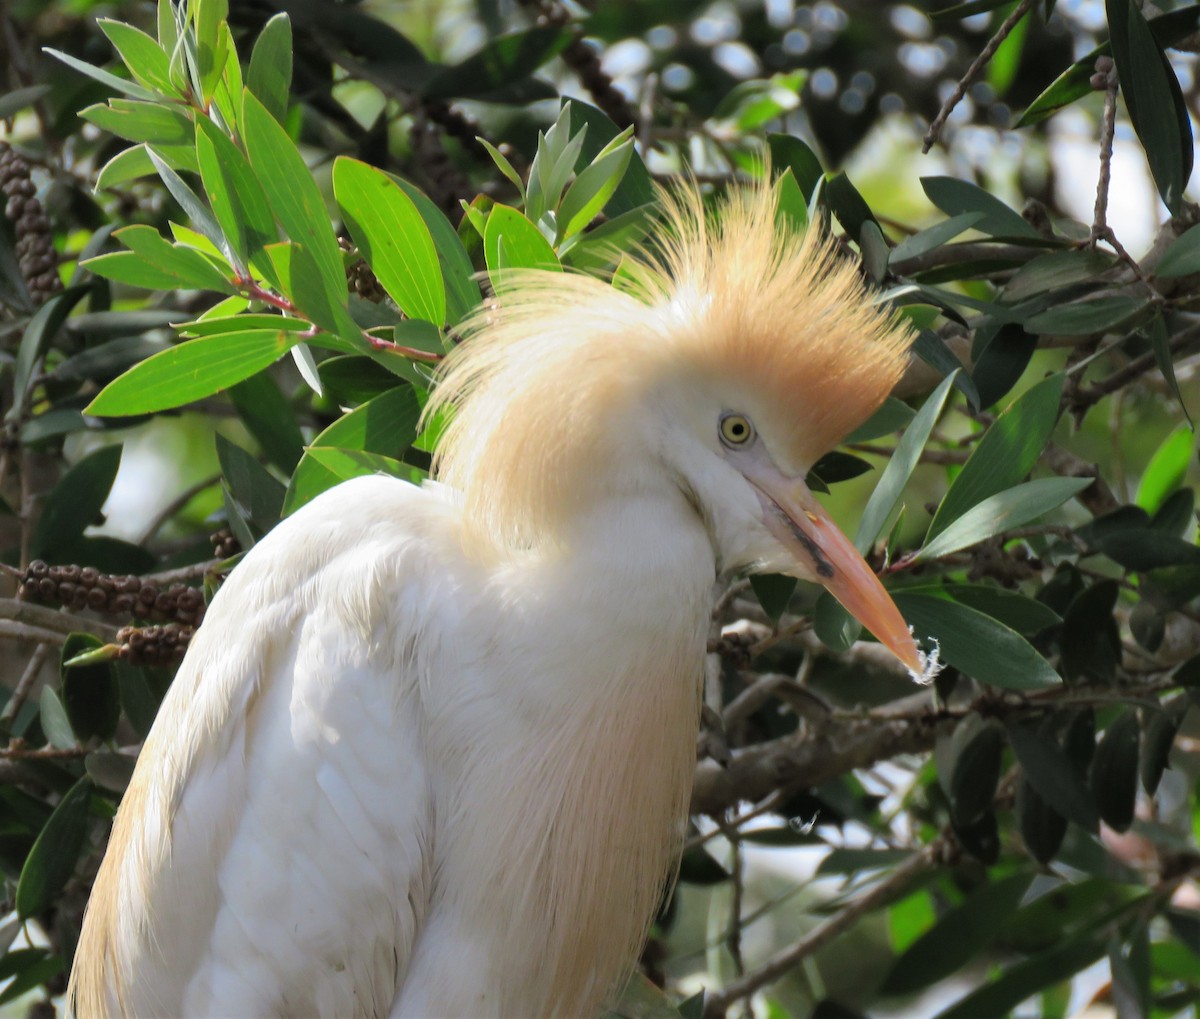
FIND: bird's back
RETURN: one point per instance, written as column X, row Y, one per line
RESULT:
column 270, row 856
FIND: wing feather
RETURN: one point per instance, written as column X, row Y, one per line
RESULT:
column 271, row 855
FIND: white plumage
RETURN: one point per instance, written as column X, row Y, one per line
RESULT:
column 430, row 753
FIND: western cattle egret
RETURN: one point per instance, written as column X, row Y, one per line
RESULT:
column 431, row 752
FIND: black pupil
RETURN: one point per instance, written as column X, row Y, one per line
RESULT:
column 738, row 429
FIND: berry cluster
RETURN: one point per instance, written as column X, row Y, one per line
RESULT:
column 84, row 587
column 225, row 544
column 154, row 645
column 36, row 256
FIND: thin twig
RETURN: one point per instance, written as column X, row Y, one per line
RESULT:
column 887, row 890
column 1087, row 396
column 174, row 506
column 1108, row 126
column 21, row 692
column 185, row 573
column 52, row 620
column 17, row 751
column 977, row 65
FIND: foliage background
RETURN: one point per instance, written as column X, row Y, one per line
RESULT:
column 1023, row 837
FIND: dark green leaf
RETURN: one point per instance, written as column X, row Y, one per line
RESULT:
column 891, row 417
column 788, row 152
column 1086, row 318
column 848, row 205
column 977, row 644
column 54, row 721
column 1160, row 344
column 191, row 371
column 1002, row 512
column 1005, row 454
column 500, row 62
column 1148, row 550
column 851, row 861
column 1161, row 727
column 1042, row 827
column 1056, row 270
column 1153, row 98
column 1115, row 771
column 833, row 625
column 37, row 973
column 393, row 238
column 51, row 861
column 1053, row 775
column 957, row 197
column 976, row 771
column 267, row 416
column 1012, row 609
column 1002, row 360
column 1069, row 910
column 42, row 329
column 773, row 592
column 12, row 103
column 354, row 379
column 958, row 936
column 1020, row 981
column 259, row 494
column 89, row 692
column 1091, row 644
column 899, row 469
column 76, row 501
column 933, row 237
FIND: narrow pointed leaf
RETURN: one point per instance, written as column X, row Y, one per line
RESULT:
column 52, row 859
column 270, row 73
column 191, row 371
column 236, row 197
column 1005, row 454
column 976, row 644
column 899, row 468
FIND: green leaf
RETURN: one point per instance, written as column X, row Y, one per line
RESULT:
column 237, row 199
column 39, row 333
column 502, row 61
column 961, row 934
column 1166, row 470
column 957, row 197
column 270, row 74
column 55, row 723
column 141, row 53
column 300, row 280
column 52, row 859
column 210, row 54
column 1020, row 981
column 833, row 625
column 33, row 967
column 773, row 592
column 791, row 153
column 156, row 254
column 892, row 416
column 106, row 78
column 848, row 205
column 142, row 122
column 293, row 194
column 977, row 644
column 899, row 468
column 1182, row 257
column 934, row 237
column 89, row 692
column 636, row 189
column 1042, row 827
column 1161, row 727
column 1053, row 775
column 258, row 493
column 510, row 241
column 1005, row 454
column 393, row 238
column 591, row 190
column 976, row 751
column 1056, row 270
column 1086, row 317
column 462, row 292
column 75, row 502
column 384, row 426
column 268, row 417
column 1014, row 610
column 1154, row 100
column 12, row 103
column 1149, row 550
column 1115, row 771
column 191, row 371
column 324, row 466
column 1003, row 512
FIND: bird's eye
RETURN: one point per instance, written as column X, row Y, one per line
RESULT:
column 736, row 430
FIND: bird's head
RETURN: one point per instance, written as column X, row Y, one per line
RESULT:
column 723, row 363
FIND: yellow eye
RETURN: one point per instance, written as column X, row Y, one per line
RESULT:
column 736, row 430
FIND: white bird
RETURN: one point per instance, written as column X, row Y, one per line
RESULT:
column 431, row 752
